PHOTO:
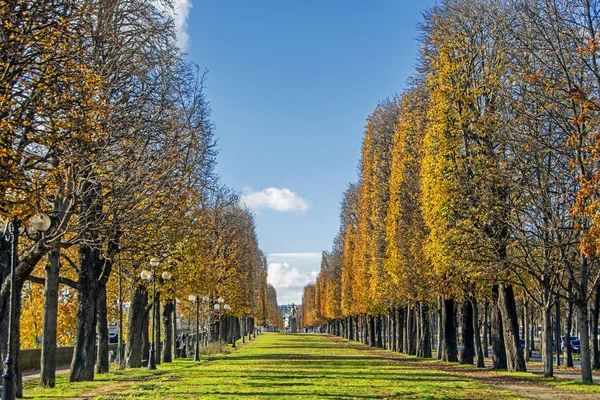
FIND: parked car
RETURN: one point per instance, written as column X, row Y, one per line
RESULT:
column 523, row 346
column 575, row 344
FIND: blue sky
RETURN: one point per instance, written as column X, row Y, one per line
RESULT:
column 291, row 84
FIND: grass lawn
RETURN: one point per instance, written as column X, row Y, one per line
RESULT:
column 278, row 366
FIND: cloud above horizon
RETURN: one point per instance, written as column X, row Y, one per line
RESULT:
column 290, row 272
column 282, row 200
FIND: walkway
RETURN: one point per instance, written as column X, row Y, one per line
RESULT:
column 295, row 366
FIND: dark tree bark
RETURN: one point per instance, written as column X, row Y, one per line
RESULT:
column 102, row 360
column 48, row 360
column 526, row 331
column 595, row 316
column 84, row 353
column 477, row 332
column 568, row 325
column 467, row 354
column 372, row 336
column 401, row 324
column 510, row 324
column 137, row 310
column 450, row 349
column 167, row 317
column 146, row 332
column 157, row 333
column 498, row 350
column 557, row 330
column 440, row 331
column 425, row 336
column 379, row 328
column 486, row 330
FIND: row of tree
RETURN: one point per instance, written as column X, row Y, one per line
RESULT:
column 478, row 184
column 105, row 128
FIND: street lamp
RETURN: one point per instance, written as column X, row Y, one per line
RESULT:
column 151, row 276
column 40, row 223
column 196, row 300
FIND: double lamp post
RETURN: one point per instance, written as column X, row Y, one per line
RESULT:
column 151, row 276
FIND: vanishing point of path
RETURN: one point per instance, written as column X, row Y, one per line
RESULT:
column 296, row 366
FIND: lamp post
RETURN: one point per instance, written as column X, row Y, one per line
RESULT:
column 40, row 223
column 147, row 275
column 218, row 306
column 196, row 300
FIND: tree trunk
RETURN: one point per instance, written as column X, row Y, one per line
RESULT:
column 425, row 337
column 450, row 350
column 510, row 324
column 477, row 332
column 48, row 360
column 84, row 353
column 102, row 360
column 583, row 323
column 157, row 333
column 557, row 331
column 167, row 317
column 137, row 310
column 467, row 354
column 146, row 333
column 401, row 324
column 498, row 351
column 379, row 322
column 526, row 331
column 440, row 330
column 595, row 315
column 486, row 329
column 547, row 341
column 568, row 325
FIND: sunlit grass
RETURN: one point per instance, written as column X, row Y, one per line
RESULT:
column 279, row 366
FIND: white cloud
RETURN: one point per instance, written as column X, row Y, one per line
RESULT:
column 276, row 199
column 180, row 13
column 288, row 281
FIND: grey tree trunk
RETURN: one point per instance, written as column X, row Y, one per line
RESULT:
column 167, row 318
column 48, row 360
column 498, row 350
column 84, row 353
column 510, row 324
column 583, row 324
column 547, row 341
column 137, row 310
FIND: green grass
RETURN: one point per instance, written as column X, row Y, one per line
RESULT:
column 279, row 366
